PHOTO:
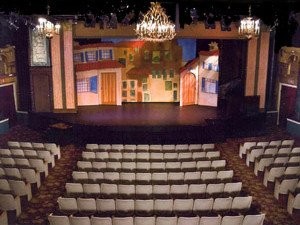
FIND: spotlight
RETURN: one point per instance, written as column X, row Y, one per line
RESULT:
column 89, row 20
column 210, row 21
column 225, row 23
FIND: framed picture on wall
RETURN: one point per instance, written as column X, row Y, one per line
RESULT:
column 39, row 50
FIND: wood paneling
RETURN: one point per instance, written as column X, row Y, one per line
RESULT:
column 108, row 88
column 40, row 86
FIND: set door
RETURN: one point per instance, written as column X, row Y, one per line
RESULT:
column 188, row 89
column 287, row 104
column 108, row 88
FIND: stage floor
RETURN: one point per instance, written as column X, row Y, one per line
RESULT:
column 139, row 114
column 137, row 123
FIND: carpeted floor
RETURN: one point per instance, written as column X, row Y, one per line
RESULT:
column 44, row 202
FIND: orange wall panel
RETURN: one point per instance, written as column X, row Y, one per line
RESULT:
column 251, row 67
column 69, row 70
column 263, row 67
column 56, row 73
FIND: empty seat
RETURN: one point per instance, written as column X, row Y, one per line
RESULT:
column 95, row 220
column 166, row 220
column 143, row 178
column 127, row 178
column 31, row 176
column 124, row 207
column 129, row 148
column 88, row 155
column 244, row 146
column 99, row 166
column 170, row 156
column 58, row 219
column 282, row 187
column 115, row 156
column 193, row 220
column 129, row 156
column 140, row 148
column 222, row 205
column 117, row 147
column 122, row 220
column 232, row 189
column 179, row 190
column 215, row 189
column 80, row 176
column 182, row 147
column 218, row 164
column 188, row 166
column 67, row 205
column 175, row 177
column 241, row 204
column 92, row 147
column 84, row 165
column 102, row 156
column 109, row 190
column 161, row 191
column 111, row 177
column 197, row 190
column 113, row 166
column 13, row 144
column 92, row 190
column 126, row 191
column 8, row 202
column 25, row 144
column 173, row 166
column 74, row 189
column 144, row 207
column 157, row 166
column 195, row 147
column 225, row 175
column 211, row 220
column 142, row 156
column 293, row 202
column 192, row 177
column 149, row 220
column 208, row 176
column 159, row 178
column 203, row 206
column 183, row 207
column 105, row 147
column 204, row 165
column 163, row 207
column 79, row 220
column 143, row 191
column 156, row 156
column 20, row 188
column 232, row 220
column 143, row 166
column 17, row 153
column 95, row 176
column 254, row 219
column 128, row 166
column 105, row 207
column 86, row 206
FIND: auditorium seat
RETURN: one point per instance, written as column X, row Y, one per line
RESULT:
column 254, row 219
column 244, row 146
column 67, row 205
column 95, row 220
column 86, row 206
column 203, row 206
column 58, row 219
column 144, row 220
column 11, row 203
column 232, row 220
column 144, row 207
column 105, row 207
column 122, row 221
column 211, row 220
column 79, row 220
column 283, row 186
column 191, row 220
column 160, row 220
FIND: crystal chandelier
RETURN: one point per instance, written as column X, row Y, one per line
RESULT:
column 155, row 25
column 47, row 28
column 249, row 26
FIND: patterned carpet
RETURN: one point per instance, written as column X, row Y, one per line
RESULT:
column 44, row 202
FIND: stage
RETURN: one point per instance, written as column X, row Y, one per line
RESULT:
column 135, row 123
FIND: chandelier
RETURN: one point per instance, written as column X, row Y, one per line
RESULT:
column 155, row 25
column 47, row 28
column 249, row 26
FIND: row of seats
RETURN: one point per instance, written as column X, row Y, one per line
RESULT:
column 155, row 177
column 279, row 167
column 52, row 147
column 16, row 187
column 38, row 164
column 157, row 207
column 154, row 166
column 257, row 219
column 274, row 143
column 30, row 175
column 267, row 161
column 47, row 156
column 153, row 156
column 106, row 190
column 150, row 148
column 256, row 152
column 271, row 173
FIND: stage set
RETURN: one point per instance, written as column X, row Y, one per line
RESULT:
column 203, row 86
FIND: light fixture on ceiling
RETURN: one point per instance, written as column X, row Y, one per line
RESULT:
column 45, row 27
column 249, row 27
column 155, row 25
